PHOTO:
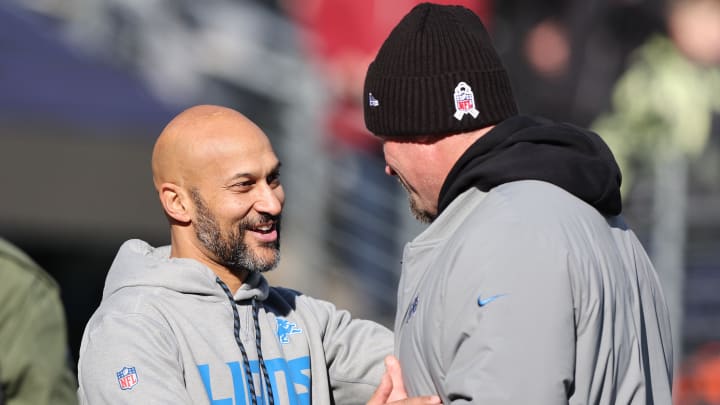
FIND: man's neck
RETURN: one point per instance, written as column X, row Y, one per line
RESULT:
column 232, row 278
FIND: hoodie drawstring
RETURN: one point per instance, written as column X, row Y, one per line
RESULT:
column 271, row 399
column 246, row 362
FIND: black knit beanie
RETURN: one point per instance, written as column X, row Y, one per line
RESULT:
column 437, row 73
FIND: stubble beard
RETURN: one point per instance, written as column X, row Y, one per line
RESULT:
column 232, row 252
column 423, row 216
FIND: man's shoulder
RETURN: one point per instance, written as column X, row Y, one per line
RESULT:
column 286, row 300
column 284, row 292
column 532, row 204
column 523, row 214
column 293, row 299
column 125, row 315
column 133, row 302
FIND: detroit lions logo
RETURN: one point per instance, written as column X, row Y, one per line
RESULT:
column 286, row 328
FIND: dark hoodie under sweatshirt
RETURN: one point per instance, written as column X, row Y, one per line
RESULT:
column 529, row 148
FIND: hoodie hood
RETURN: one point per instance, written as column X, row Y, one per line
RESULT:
column 139, row 264
column 525, row 148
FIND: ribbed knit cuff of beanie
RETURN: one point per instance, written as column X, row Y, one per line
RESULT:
column 436, row 73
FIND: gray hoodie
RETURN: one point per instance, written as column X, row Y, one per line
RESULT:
column 167, row 332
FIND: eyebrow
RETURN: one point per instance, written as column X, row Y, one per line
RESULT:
column 246, row 174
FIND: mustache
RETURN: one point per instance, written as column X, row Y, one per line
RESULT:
column 248, row 223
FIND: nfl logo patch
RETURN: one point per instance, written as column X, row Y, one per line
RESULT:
column 373, row 101
column 464, row 101
column 127, row 378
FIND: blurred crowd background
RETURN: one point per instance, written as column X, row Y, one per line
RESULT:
column 87, row 85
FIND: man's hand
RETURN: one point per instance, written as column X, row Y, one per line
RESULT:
column 392, row 389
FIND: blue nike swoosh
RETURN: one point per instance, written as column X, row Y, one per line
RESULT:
column 484, row 301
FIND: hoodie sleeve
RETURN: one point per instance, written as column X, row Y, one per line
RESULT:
column 354, row 351
column 130, row 359
column 506, row 322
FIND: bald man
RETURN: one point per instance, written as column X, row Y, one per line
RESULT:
column 196, row 322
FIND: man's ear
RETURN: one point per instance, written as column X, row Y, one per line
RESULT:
column 175, row 202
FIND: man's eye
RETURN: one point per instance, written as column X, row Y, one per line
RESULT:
column 274, row 178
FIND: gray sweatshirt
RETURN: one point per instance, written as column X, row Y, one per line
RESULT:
column 166, row 332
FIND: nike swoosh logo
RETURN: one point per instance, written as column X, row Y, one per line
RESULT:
column 484, row 301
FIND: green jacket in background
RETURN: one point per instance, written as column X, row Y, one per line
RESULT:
column 663, row 102
column 34, row 362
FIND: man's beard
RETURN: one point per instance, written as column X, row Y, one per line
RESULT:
column 421, row 215
column 232, row 252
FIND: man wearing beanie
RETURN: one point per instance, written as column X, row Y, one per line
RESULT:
column 527, row 286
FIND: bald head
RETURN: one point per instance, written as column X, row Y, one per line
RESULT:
column 195, row 136
column 217, row 177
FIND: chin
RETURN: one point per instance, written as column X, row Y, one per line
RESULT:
column 267, row 258
column 420, row 213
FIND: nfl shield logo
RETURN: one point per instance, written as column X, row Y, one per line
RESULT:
column 464, row 101
column 127, row 378
column 373, row 101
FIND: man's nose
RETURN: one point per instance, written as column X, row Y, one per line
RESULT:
column 389, row 170
column 271, row 200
